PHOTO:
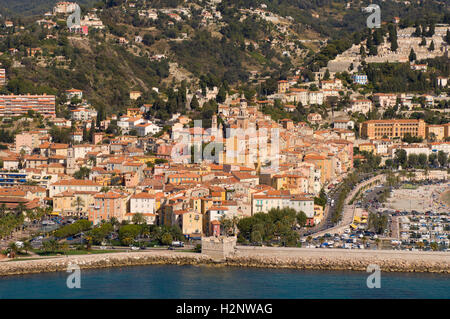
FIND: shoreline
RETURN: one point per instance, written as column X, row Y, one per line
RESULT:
column 252, row 257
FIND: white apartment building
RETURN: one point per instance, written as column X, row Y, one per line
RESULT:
column 382, row 146
column 144, row 129
column 363, row 106
column 385, row 99
column 143, row 203
column 412, row 149
column 64, row 7
column 73, row 185
column 344, row 124
column 440, row 146
column 83, row 114
column 74, row 93
column 316, row 97
column 80, row 151
column 126, row 124
column 335, row 84
column 264, row 203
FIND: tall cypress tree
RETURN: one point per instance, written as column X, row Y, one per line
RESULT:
column 418, row 31
column 85, row 134
column 423, row 42
column 91, row 132
column 221, row 95
column 430, row 32
column 431, row 47
column 412, row 55
column 194, row 103
column 393, row 37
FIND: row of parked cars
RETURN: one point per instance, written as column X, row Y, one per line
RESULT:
column 349, row 240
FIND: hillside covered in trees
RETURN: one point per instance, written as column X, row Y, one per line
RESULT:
column 228, row 45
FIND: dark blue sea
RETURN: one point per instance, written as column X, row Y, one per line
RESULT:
column 170, row 281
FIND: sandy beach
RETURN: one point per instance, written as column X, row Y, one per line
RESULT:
column 445, row 197
column 422, row 199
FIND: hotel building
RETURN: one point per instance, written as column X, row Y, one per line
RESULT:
column 377, row 129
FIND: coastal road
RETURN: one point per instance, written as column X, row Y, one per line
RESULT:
column 348, row 211
column 124, row 248
column 326, row 223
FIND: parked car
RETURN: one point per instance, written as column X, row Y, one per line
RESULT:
column 177, row 244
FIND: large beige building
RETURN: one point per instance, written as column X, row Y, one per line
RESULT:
column 436, row 131
column 283, row 86
column 376, row 129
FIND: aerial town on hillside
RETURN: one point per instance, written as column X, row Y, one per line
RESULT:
column 63, row 157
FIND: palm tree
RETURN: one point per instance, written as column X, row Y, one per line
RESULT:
column 92, row 160
column 88, row 242
column 53, row 245
column 234, row 222
column 104, row 189
column 20, row 208
column 145, row 232
column 27, row 246
column 64, row 247
column 14, row 249
column 378, row 242
column 426, row 171
column 411, row 175
column 78, row 202
column 138, row 219
column 2, row 209
column 392, row 179
column 30, row 213
column 226, row 224
column 403, row 173
column 114, row 222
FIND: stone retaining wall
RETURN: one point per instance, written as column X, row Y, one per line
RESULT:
column 324, row 263
column 260, row 258
column 101, row 261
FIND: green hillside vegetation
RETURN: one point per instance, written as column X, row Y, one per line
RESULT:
column 106, row 72
column 399, row 77
column 218, row 54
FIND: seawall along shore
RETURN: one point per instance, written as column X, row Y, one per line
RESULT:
column 121, row 259
column 260, row 257
column 341, row 259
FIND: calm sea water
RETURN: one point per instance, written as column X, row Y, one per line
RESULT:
column 169, row 281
